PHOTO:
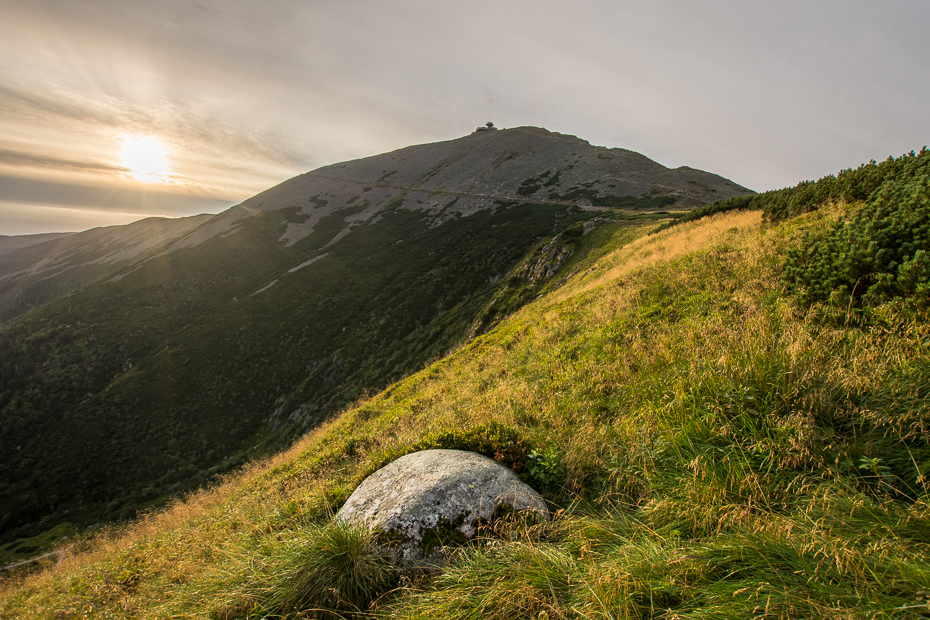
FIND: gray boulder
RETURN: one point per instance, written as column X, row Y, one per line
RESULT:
column 425, row 500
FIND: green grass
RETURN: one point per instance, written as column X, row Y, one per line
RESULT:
column 334, row 571
column 722, row 452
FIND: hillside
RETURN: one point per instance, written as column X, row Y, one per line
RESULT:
column 142, row 361
column 51, row 266
column 17, row 242
column 713, row 441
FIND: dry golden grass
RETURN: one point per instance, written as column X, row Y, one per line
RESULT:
column 664, row 247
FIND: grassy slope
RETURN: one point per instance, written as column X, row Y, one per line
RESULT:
column 727, row 455
column 126, row 393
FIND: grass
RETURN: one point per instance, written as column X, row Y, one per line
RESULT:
column 728, row 455
column 332, row 571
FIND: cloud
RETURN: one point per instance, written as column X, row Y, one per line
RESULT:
column 150, row 200
column 58, row 104
column 209, row 125
column 21, row 158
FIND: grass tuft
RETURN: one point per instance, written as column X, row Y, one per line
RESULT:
column 339, row 574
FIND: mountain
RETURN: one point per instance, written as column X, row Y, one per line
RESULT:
column 140, row 361
column 12, row 243
column 53, row 265
column 476, row 172
column 726, row 418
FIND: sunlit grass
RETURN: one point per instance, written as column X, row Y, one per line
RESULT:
column 726, row 454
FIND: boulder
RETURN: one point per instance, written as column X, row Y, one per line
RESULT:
column 423, row 501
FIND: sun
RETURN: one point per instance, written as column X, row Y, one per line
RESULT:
column 144, row 157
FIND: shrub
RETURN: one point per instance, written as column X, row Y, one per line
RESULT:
column 880, row 252
column 865, row 183
column 545, row 470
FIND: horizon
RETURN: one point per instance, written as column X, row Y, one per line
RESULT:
column 114, row 112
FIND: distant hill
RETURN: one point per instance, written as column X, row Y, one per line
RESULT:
column 11, row 243
column 56, row 264
column 139, row 361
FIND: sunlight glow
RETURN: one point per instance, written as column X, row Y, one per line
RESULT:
column 144, row 156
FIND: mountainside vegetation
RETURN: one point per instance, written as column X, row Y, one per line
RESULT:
column 165, row 372
column 716, row 438
column 875, row 251
column 140, row 362
column 868, row 182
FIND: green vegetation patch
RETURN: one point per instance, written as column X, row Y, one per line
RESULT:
column 318, row 202
column 530, row 186
column 865, row 183
column 618, row 202
column 339, row 573
column 874, row 252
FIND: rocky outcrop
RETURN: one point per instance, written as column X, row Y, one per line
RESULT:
column 426, row 500
column 552, row 256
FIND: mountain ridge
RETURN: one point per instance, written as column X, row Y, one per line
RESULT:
column 79, row 258
column 11, row 243
column 490, row 164
column 414, row 171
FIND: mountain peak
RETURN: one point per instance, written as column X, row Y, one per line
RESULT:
column 446, row 179
column 478, row 171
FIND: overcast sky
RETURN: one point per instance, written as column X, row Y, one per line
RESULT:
column 243, row 94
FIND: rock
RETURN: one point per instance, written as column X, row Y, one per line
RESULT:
column 425, row 500
column 596, row 222
column 548, row 260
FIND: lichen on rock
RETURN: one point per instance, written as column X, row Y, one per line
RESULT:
column 425, row 501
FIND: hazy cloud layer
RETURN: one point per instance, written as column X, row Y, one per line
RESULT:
column 152, row 200
column 21, row 158
column 245, row 94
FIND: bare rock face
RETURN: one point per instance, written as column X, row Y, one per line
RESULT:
column 427, row 499
column 552, row 256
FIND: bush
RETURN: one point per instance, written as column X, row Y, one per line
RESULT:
column 545, row 470
column 865, row 183
column 879, row 252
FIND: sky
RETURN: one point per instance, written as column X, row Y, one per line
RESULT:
column 116, row 110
